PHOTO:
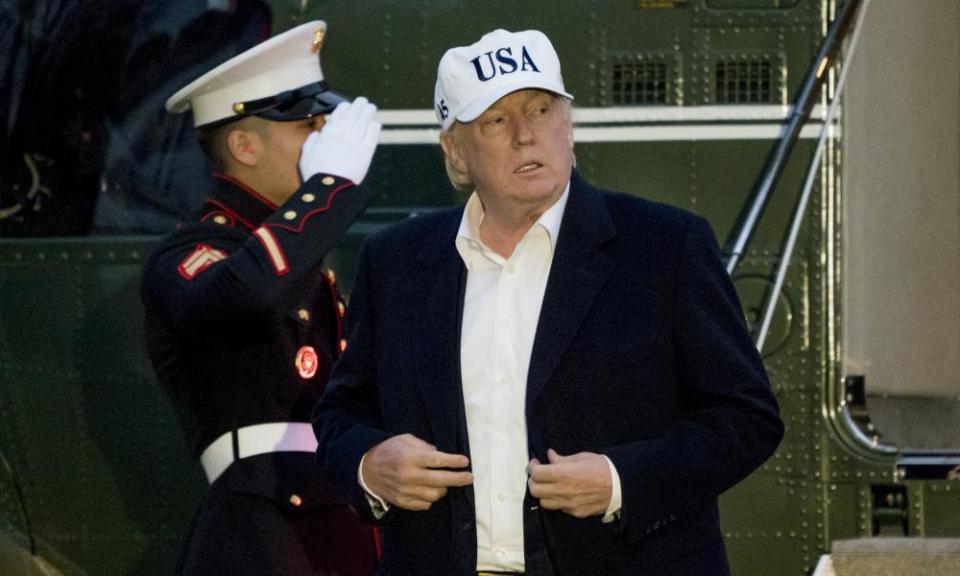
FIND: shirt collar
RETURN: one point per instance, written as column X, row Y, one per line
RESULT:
column 473, row 214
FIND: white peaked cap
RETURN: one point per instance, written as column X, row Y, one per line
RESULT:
column 288, row 61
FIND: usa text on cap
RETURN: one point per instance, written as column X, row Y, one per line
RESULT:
column 279, row 79
column 471, row 78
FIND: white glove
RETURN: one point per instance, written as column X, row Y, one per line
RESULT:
column 345, row 145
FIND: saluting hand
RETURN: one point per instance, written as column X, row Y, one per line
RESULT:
column 579, row 485
column 412, row 474
column 345, row 145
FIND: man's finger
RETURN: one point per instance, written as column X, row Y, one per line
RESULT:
column 544, row 473
column 448, row 478
column 553, row 457
column 437, row 459
column 550, row 504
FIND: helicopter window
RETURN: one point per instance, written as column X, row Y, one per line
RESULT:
column 745, row 81
column 639, row 83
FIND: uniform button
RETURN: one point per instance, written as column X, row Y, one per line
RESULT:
column 289, row 215
column 296, row 500
column 331, row 277
column 220, row 219
column 327, row 181
column 303, row 314
column 308, row 198
column 343, row 344
column 341, row 309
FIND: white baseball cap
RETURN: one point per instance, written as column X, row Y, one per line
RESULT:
column 278, row 79
column 471, row 78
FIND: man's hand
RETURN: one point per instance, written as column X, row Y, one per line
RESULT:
column 412, row 474
column 579, row 484
column 345, row 145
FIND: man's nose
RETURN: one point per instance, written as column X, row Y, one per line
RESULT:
column 522, row 132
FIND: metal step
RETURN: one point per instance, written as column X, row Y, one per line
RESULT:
column 892, row 557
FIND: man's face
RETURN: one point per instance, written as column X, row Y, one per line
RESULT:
column 519, row 152
column 281, row 155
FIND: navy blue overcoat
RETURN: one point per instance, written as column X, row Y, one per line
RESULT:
column 641, row 353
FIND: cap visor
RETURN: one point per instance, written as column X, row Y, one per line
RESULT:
column 480, row 105
column 316, row 105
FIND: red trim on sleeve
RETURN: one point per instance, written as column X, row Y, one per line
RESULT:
column 307, row 216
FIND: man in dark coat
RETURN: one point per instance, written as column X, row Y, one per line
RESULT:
column 553, row 379
column 243, row 324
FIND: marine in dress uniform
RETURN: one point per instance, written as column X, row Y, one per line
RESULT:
column 243, row 323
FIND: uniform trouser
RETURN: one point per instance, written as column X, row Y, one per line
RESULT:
column 239, row 534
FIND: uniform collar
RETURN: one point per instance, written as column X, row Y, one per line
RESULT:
column 239, row 200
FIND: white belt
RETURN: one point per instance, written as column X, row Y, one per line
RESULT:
column 254, row 440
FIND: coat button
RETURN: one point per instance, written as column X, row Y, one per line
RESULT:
column 341, row 309
column 289, row 215
column 308, row 198
column 327, row 181
column 296, row 500
column 331, row 277
column 220, row 219
column 343, row 344
column 303, row 314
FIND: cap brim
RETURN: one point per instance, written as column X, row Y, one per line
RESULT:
column 315, row 105
column 479, row 106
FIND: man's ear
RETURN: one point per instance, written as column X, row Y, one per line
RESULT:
column 451, row 149
column 244, row 146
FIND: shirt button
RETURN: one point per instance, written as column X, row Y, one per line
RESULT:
column 296, row 500
column 308, row 198
column 303, row 314
column 327, row 181
column 289, row 215
column 511, row 268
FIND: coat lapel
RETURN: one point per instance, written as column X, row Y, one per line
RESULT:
column 580, row 269
column 437, row 286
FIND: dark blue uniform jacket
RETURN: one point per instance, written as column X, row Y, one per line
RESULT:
column 243, row 326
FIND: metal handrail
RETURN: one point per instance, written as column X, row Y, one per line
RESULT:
column 747, row 223
column 800, row 209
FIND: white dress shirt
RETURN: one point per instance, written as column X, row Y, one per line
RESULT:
column 500, row 313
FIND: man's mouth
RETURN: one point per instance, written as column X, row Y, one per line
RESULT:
column 527, row 167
